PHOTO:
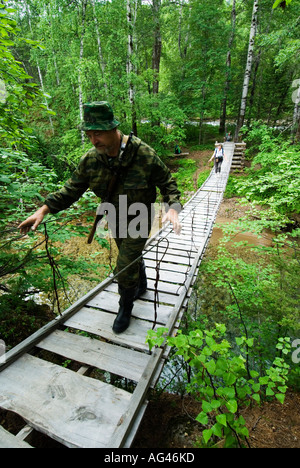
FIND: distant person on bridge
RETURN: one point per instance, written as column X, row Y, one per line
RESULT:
column 137, row 171
column 218, row 156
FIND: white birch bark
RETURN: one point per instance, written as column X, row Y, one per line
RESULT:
column 228, row 70
column 248, row 69
column 84, row 5
column 296, row 113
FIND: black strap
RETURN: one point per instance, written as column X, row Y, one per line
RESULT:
column 113, row 182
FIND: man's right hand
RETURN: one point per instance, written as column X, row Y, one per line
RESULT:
column 34, row 220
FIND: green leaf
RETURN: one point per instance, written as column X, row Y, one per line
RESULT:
column 282, row 389
column 280, row 397
column 243, row 431
column 215, row 404
column 211, row 366
column 229, row 379
column 218, row 430
column 206, row 434
column 256, row 387
column 276, row 3
column 264, row 380
column 202, row 418
column 221, row 418
column 232, row 406
column 206, row 406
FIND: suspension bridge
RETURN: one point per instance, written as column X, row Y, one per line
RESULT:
column 72, row 406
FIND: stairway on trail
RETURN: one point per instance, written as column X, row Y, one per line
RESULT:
column 71, row 406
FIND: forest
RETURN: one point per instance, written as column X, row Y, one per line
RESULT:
column 176, row 72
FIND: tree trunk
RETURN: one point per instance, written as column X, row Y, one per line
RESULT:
column 228, row 71
column 253, row 87
column 131, row 18
column 183, row 43
column 248, row 69
column 157, row 45
column 156, row 53
column 296, row 114
column 84, row 5
column 47, row 7
column 100, row 54
column 39, row 70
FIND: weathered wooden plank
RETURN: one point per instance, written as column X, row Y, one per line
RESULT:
column 8, row 440
column 186, row 239
column 168, row 266
column 171, row 256
column 95, row 353
column 164, row 288
column 179, row 245
column 170, row 277
column 100, row 323
column 73, row 409
column 123, row 428
column 109, row 301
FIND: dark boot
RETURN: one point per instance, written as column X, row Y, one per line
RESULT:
column 142, row 285
column 122, row 320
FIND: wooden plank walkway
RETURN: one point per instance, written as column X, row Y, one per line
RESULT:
column 75, row 407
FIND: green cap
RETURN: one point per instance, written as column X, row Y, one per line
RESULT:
column 98, row 115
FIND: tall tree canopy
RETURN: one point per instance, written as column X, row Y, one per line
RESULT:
column 160, row 63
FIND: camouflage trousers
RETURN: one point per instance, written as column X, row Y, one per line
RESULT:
column 130, row 249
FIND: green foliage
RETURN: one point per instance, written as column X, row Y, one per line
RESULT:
column 244, row 294
column 273, row 181
column 223, row 381
column 279, row 2
column 202, row 177
column 22, row 183
column 19, row 91
column 276, row 182
column 25, row 264
column 185, row 176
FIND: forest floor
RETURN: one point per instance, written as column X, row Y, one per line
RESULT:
column 169, row 422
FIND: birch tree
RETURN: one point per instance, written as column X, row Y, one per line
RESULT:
column 156, row 45
column 130, row 68
column 39, row 69
column 80, row 89
column 228, row 70
column 248, row 68
column 100, row 52
column 296, row 113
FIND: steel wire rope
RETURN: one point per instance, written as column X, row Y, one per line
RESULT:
column 159, row 240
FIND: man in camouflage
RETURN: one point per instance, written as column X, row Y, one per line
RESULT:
column 141, row 172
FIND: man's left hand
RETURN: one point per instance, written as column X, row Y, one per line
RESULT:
column 172, row 216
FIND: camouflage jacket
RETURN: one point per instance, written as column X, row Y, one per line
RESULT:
column 143, row 172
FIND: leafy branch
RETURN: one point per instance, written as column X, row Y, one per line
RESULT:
column 222, row 382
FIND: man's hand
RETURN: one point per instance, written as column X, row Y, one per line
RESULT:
column 172, row 216
column 34, row 220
